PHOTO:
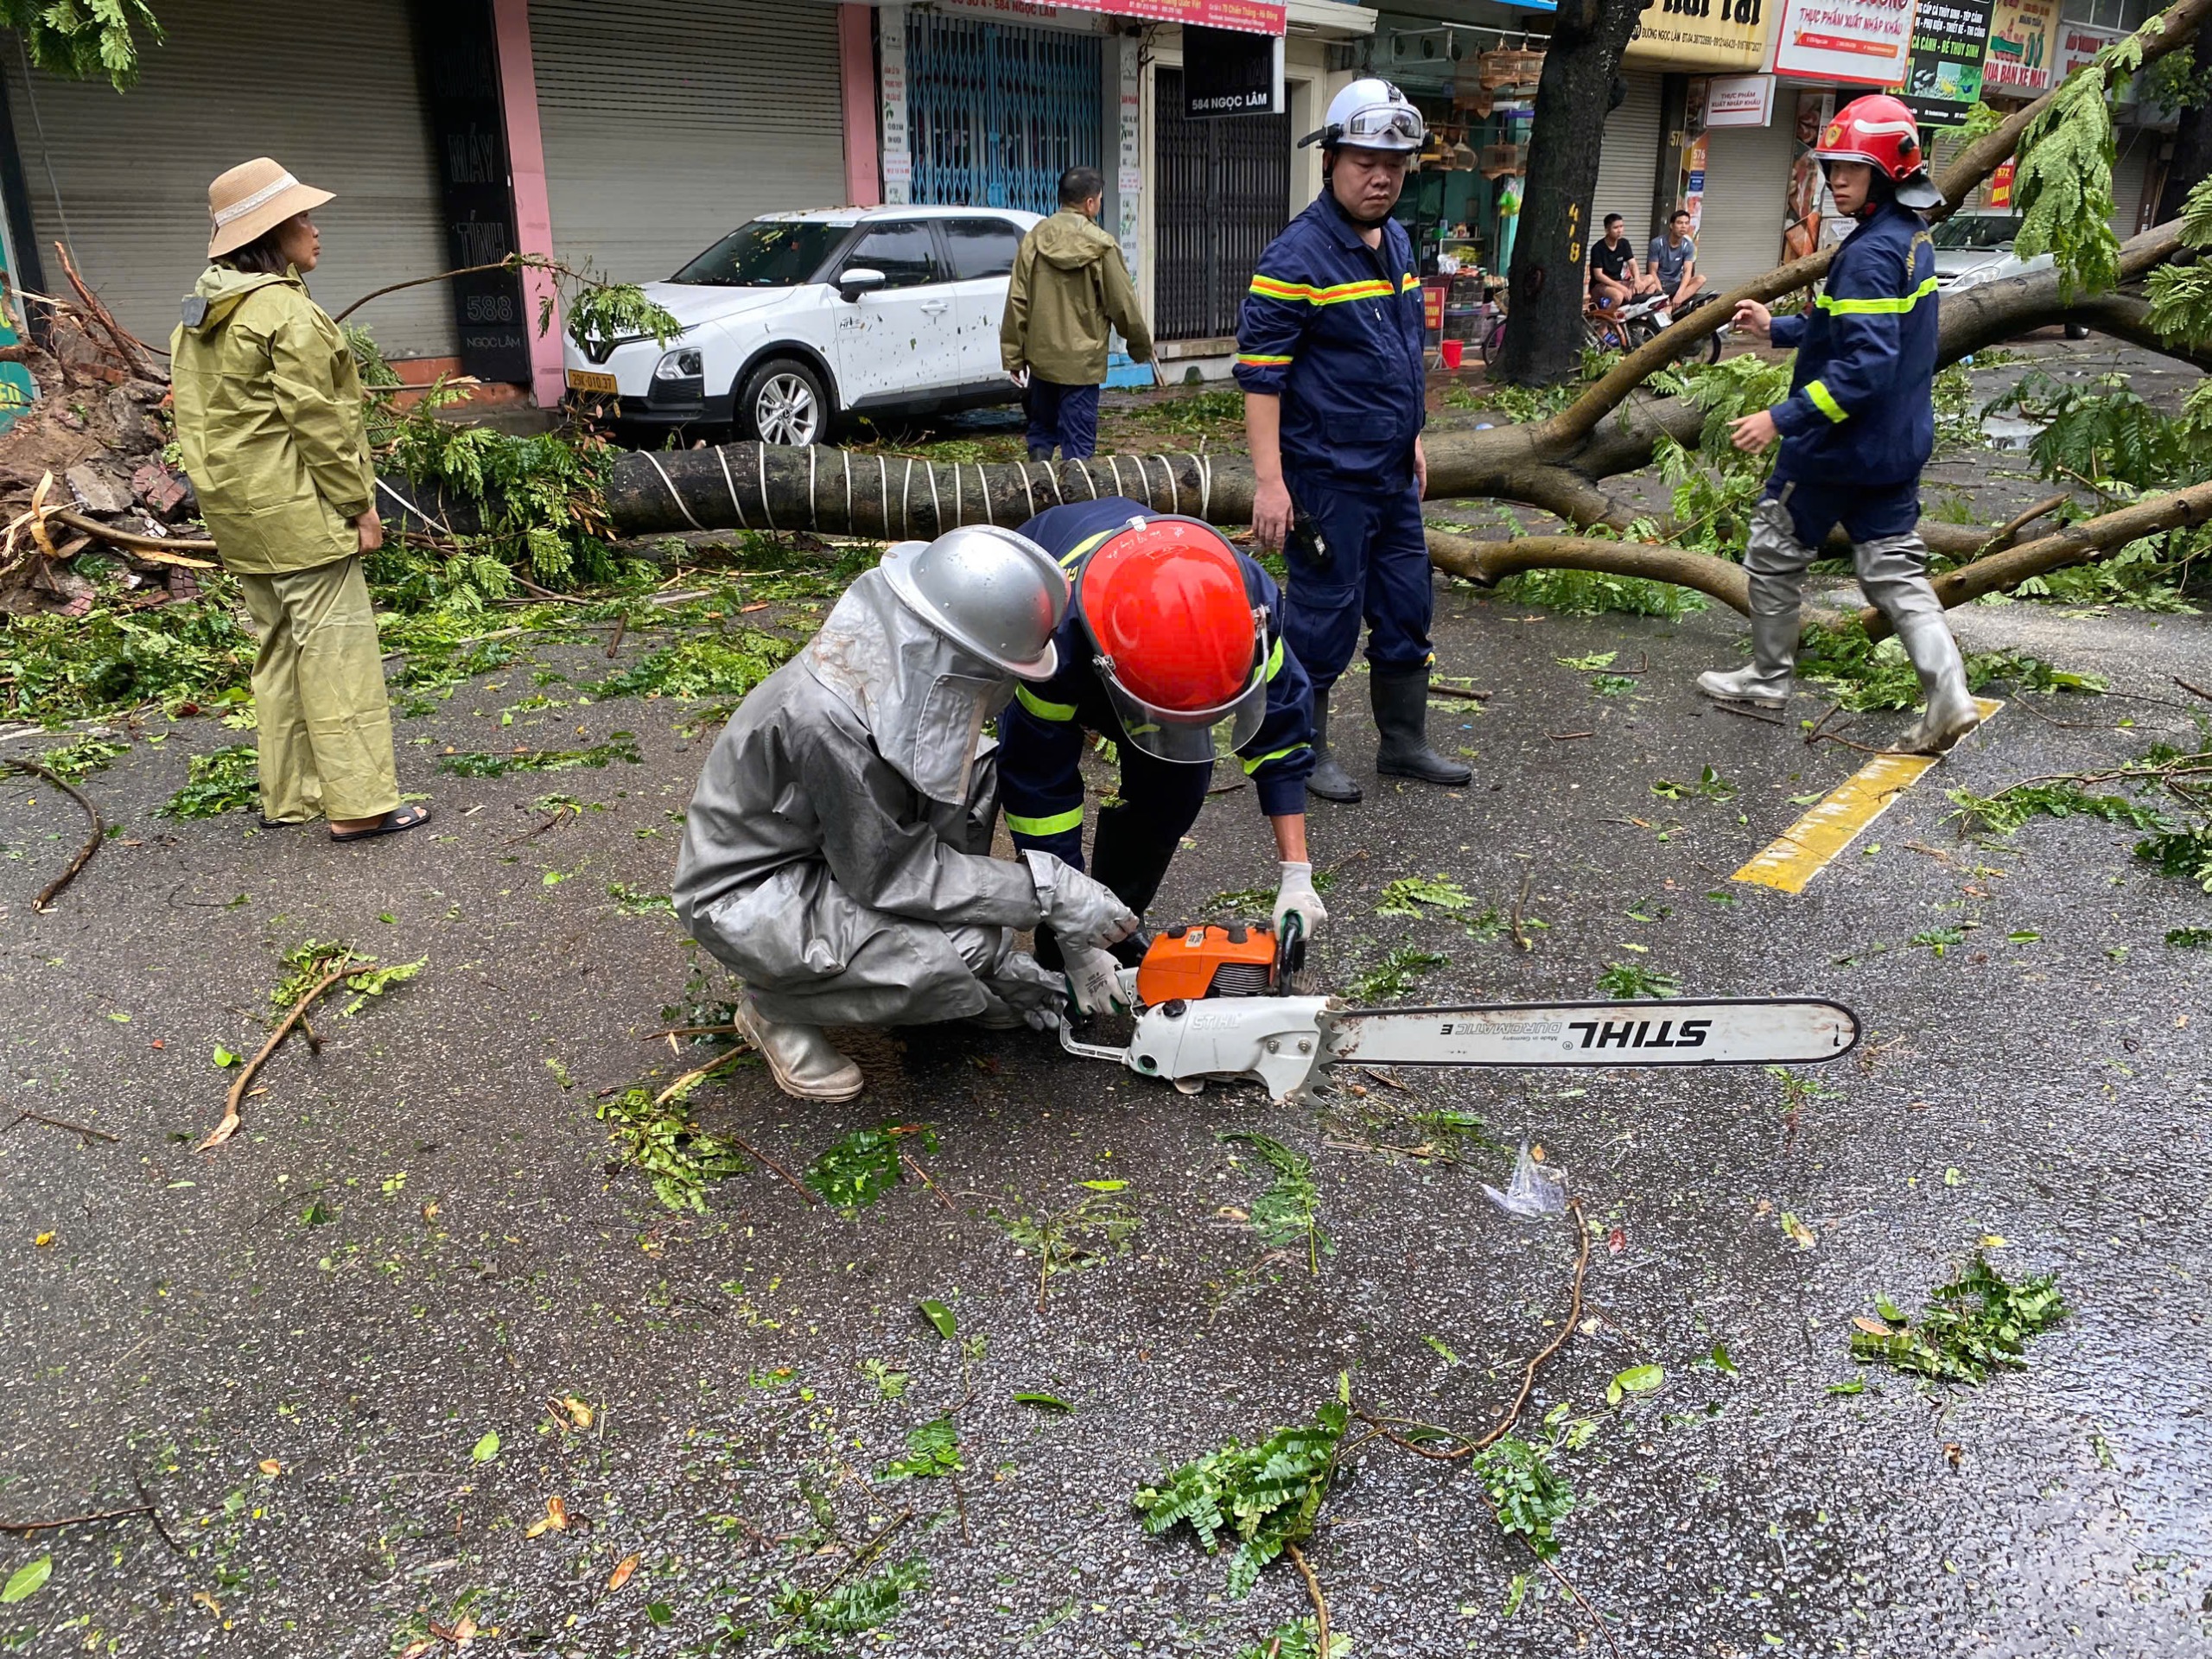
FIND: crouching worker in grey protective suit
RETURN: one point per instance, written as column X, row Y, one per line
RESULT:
column 837, row 851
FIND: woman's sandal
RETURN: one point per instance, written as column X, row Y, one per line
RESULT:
column 398, row 819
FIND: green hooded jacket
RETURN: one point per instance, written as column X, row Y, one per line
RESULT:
column 1069, row 284
column 269, row 418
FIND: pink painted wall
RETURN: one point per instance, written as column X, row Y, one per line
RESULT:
column 533, row 208
column 856, row 58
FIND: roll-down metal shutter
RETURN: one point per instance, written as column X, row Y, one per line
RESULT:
column 1746, row 200
column 2130, row 172
column 329, row 90
column 669, row 123
column 1628, row 162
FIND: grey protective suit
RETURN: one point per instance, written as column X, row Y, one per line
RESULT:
column 837, row 851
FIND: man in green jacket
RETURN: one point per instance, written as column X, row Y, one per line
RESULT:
column 1069, row 285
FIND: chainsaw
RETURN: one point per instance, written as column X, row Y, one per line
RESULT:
column 1216, row 1003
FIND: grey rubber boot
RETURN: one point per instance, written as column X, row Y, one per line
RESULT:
column 1775, row 562
column 803, row 1060
column 1893, row 570
column 1401, row 715
column 1766, row 679
column 1330, row 781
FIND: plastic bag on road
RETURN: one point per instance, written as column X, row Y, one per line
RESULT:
column 1535, row 1191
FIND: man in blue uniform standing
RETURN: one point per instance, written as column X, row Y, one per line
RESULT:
column 1172, row 639
column 1330, row 354
column 1857, row 426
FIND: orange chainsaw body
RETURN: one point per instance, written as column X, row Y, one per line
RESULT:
column 1185, row 965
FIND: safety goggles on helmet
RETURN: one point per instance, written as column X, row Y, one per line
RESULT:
column 1188, row 735
column 1371, row 114
column 1178, row 644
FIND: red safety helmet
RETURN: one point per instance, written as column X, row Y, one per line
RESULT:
column 1180, row 648
column 1881, row 132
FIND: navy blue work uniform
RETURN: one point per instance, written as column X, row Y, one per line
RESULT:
column 1065, row 417
column 1333, row 328
column 1041, row 735
column 1860, row 422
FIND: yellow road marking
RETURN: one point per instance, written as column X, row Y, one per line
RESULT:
column 1803, row 850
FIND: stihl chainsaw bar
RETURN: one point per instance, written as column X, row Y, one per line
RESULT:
column 1210, row 1007
column 1730, row 1031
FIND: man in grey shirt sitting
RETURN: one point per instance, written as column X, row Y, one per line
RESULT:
column 1673, row 260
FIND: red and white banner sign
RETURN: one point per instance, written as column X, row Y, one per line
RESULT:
column 1253, row 16
column 1865, row 42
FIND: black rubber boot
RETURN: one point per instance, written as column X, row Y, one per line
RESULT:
column 1036, row 454
column 1401, row 717
column 1330, row 781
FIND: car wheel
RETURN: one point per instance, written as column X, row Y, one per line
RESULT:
column 784, row 402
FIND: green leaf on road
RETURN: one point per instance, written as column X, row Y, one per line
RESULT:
column 28, row 1581
column 1638, row 1379
column 1856, row 1385
column 224, row 1056
column 940, row 1316
column 1043, row 1401
column 1721, row 1359
column 487, row 1448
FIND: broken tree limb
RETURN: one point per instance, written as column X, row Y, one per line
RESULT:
column 52, row 891
column 1487, row 562
column 223, row 1130
column 161, row 550
column 2075, row 544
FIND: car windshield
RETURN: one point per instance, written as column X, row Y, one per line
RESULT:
column 767, row 254
column 1978, row 230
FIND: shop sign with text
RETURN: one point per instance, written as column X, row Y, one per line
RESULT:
column 1864, row 42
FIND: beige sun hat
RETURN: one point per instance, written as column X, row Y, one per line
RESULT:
column 253, row 198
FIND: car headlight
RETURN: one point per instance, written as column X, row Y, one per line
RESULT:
column 679, row 365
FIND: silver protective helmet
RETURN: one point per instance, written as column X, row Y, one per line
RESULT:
column 1371, row 114
column 993, row 594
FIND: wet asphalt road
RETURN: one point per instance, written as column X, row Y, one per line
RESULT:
column 418, row 1239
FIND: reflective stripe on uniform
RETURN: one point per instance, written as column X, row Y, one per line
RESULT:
column 1275, row 659
column 1824, row 400
column 1272, row 287
column 1044, row 710
column 1058, row 824
column 1075, row 555
column 1879, row 307
column 1409, row 283
column 1259, row 760
column 1259, row 360
column 1342, row 291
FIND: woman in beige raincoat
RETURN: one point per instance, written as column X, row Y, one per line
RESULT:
column 269, row 416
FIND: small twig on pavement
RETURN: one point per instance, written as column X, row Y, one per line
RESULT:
column 908, row 1160
column 1560, row 1579
column 223, row 1131
column 74, row 1520
column 621, row 623
column 1321, row 1642
column 1751, row 714
column 154, row 1514
column 53, row 889
column 1520, row 939
column 694, row 1075
column 61, row 1124
column 1505, row 1425
column 2194, row 690
column 960, row 1503
column 866, row 1553
column 1445, row 689
column 1568, row 737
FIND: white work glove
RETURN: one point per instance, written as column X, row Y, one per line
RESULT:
column 1094, row 982
column 1294, row 896
column 1023, row 984
column 1079, row 911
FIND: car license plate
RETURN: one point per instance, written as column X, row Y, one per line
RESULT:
column 585, row 381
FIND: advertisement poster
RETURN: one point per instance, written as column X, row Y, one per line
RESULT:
column 1864, row 42
column 898, row 158
column 1689, row 181
column 1943, row 78
column 1678, row 34
column 2022, row 47
column 1740, row 101
column 1801, row 232
column 2079, row 43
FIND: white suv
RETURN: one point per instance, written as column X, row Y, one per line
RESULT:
column 794, row 319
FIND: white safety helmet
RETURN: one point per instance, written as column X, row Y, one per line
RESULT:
column 997, row 595
column 1371, row 114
